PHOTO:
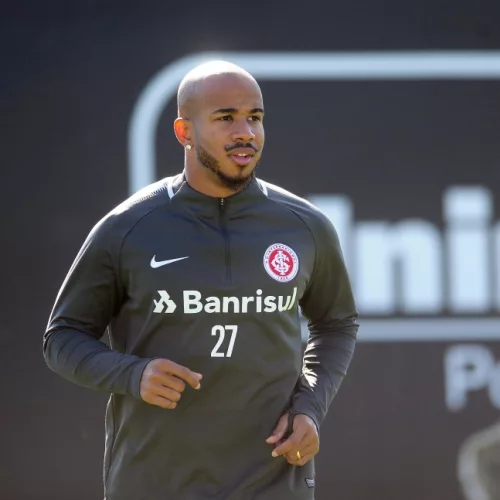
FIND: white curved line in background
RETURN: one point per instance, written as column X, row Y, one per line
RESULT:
column 431, row 65
column 162, row 88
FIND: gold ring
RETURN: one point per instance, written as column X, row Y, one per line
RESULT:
column 298, row 455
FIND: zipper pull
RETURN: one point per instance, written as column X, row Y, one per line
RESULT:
column 222, row 203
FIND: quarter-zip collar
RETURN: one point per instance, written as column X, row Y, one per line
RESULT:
column 184, row 196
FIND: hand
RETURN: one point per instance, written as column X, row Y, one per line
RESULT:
column 164, row 381
column 304, row 439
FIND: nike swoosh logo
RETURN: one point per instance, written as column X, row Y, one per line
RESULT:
column 158, row 263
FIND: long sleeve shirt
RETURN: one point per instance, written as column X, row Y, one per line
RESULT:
column 219, row 286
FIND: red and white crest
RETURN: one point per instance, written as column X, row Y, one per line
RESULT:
column 281, row 262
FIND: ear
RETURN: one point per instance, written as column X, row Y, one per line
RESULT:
column 182, row 129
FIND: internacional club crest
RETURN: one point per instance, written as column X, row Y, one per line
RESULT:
column 281, row 262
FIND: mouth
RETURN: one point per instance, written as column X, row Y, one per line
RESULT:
column 242, row 156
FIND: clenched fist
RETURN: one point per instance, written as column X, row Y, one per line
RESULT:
column 164, row 381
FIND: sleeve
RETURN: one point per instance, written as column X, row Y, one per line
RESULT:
column 89, row 297
column 328, row 305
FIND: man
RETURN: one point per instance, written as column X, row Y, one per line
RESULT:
column 199, row 278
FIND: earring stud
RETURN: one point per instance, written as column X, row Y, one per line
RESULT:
column 188, row 146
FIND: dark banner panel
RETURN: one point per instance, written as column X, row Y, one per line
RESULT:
column 396, row 140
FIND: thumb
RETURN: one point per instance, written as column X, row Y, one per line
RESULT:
column 279, row 430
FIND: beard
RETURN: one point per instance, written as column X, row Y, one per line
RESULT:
column 236, row 183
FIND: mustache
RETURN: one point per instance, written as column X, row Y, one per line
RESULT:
column 240, row 145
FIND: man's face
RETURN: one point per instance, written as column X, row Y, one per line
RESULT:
column 228, row 133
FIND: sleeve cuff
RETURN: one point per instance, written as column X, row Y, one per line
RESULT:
column 299, row 410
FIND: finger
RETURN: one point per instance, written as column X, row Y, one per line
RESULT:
column 162, row 402
column 292, row 443
column 166, row 392
column 305, row 458
column 279, row 431
column 172, row 382
column 190, row 377
column 162, row 379
column 310, row 449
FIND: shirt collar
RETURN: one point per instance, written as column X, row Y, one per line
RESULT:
column 181, row 192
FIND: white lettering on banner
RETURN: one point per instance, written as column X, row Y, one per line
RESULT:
column 467, row 368
column 194, row 303
column 411, row 267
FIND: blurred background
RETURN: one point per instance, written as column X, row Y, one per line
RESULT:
column 386, row 114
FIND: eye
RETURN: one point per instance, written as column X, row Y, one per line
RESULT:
column 256, row 118
column 226, row 118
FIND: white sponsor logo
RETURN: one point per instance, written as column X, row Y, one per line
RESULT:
column 165, row 304
column 158, row 263
column 194, row 303
column 281, row 262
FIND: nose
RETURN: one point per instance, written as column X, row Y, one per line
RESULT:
column 243, row 131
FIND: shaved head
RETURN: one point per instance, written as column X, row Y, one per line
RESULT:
column 220, row 124
column 192, row 84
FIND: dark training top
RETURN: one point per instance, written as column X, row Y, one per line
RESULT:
column 215, row 285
